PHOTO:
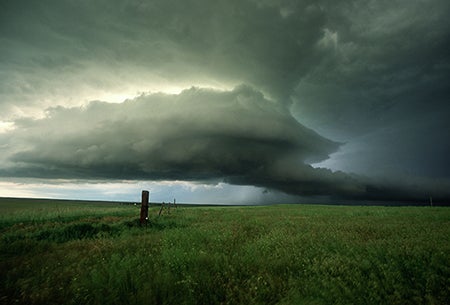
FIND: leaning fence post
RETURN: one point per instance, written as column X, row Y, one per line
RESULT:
column 160, row 210
column 144, row 207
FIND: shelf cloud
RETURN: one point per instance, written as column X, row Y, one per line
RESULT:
column 336, row 98
column 238, row 136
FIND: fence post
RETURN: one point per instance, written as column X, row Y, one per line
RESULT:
column 160, row 210
column 144, row 207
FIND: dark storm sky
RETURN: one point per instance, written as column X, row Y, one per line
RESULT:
column 342, row 99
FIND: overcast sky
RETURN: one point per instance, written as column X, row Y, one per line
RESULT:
column 236, row 101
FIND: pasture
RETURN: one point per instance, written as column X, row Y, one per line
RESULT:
column 68, row 252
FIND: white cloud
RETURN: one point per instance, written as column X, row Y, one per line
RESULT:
column 6, row 126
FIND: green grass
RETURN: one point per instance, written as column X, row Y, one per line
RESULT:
column 62, row 252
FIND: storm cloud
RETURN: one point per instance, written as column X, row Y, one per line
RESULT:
column 357, row 88
column 199, row 134
column 152, row 45
column 238, row 137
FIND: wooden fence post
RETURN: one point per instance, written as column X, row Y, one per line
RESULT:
column 144, row 207
column 160, row 210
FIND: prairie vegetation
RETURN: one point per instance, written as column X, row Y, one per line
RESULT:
column 63, row 252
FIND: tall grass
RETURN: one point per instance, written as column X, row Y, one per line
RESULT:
column 290, row 254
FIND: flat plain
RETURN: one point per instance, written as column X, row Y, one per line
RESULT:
column 69, row 252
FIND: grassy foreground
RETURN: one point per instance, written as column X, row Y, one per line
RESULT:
column 89, row 253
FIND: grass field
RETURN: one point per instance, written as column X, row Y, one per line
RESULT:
column 64, row 252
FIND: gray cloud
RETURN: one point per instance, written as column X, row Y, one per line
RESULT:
column 382, row 88
column 372, row 74
column 237, row 136
column 344, row 64
column 384, row 62
column 195, row 133
column 82, row 47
